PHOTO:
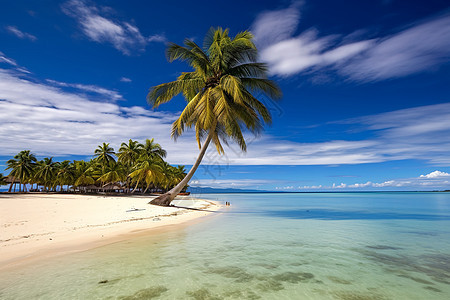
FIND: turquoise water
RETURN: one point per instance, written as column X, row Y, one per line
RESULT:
column 267, row 246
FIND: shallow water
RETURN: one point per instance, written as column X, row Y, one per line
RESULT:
column 268, row 246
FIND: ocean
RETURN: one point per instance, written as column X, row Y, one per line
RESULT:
column 348, row 246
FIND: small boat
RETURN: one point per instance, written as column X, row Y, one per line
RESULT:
column 184, row 194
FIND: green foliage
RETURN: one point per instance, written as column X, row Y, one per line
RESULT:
column 104, row 154
column 139, row 164
column 2, row 180
column 22, row 167
column 220, row 91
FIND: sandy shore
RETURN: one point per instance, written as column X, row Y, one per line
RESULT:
column 41, row 225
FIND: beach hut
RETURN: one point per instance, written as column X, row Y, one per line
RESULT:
column 115, row 188
column 9, row 180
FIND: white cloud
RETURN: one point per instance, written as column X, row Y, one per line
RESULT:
column 35, row 115
column 436, row 180
column 314, row 187
column 340, row 186
column 20, row 34
column 52, row 121
column 435, row 174
column 421, row 47
column 106, row 93
column 298, row 54
column 433, row 180
column 7, row 60
column 274, row 26
column 123, row 35
column 360, row 185
column 288, row 187
column 157, row 38
column 125, row 79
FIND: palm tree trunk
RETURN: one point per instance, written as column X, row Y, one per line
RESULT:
column 165, row 199
column 11, row 185
column 135, row 187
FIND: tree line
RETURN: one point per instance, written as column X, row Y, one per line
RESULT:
column 135, row 167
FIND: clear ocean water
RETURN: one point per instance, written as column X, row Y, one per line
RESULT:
column 267, row 246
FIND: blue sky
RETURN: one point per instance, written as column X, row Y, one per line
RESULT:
column 366, row 87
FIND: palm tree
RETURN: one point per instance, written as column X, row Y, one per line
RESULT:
column 128, row 154
column 114, row 173
column 153, row 150
column 83, row 173
column 179, row 173
column 22, row 168
column 65, row 174
column 104, row 154
column 46, row 173
column 147, row 170
column 220, row 93
column 2, row 180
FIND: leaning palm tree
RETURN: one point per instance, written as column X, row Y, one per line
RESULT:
column 220, row 92
column 22, row 168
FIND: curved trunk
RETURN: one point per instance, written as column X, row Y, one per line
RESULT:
column 165, row 199
column 12, row 183
column 134, row 190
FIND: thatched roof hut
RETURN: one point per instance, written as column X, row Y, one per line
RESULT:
column 9, row 180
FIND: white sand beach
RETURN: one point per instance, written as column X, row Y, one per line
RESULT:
column 33, row 226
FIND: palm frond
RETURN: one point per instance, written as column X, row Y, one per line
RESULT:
column 269, row 87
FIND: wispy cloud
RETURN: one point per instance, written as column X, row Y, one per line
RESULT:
column 436, row 180
column 421, row 133
column 157, row 38
column 420, row 47
column 99, row 27
column 7, row 60
column 57, row 119
column 20, row 34
column 125, row 79
column 105, row 93
column 36, row 114
column 272, row 27
column 12, row 64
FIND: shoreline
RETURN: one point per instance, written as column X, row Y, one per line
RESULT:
column 40, row 226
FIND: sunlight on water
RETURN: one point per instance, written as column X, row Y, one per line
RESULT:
column 268, row 246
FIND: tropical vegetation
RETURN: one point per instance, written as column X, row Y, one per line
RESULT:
column 134, row 168
column 221, row 92
column 2, row 180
